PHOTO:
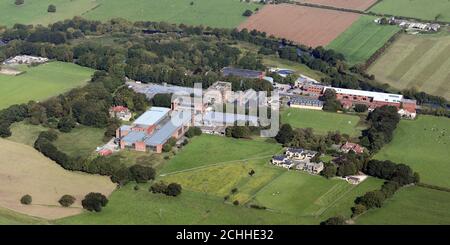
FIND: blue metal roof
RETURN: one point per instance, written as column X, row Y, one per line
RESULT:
column 134, row 136
column 152, row 116
column 160, row 137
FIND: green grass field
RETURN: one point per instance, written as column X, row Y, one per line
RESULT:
column 411, row 206
column 208, row 149
column 127, row 206
column 81, row 141
column 420, row 61
column 35, row 11
column 322, row 122
column 41, row 82
column 362, row 39
column 25, row 133
column 424, row 145
column 423, row 9
column 215, row 13
column 219, row 180
column 301, row 194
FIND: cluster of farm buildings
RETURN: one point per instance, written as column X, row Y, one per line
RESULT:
column 410, row 25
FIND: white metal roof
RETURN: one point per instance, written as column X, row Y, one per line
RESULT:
column 377, row 96
column 152, row 116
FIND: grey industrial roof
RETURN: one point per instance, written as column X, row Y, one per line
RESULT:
column 160, row 137
column 152, row 116
column 227, row 71
column 305, row 100
column 134, row 136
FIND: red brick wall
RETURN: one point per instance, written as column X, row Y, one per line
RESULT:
column 139, row 146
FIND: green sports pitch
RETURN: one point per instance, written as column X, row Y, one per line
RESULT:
column 322, row 122
column 41, row 82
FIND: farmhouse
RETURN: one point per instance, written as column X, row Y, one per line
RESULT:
column 153, row 128
column 349, row 146
column 120, row 112
column 244, row 73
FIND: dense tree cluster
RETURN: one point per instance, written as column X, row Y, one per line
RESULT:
column 383, row 121
column 94, row 202
column 305, row 138
column 330, row 101
column 172, row 189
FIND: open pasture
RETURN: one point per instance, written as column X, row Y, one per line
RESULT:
column 420, row 61
column 411, row 206
column 305, row 25
column 424, row 145
column 219, row 180
column 214, row 13
column 344, row 4
column 422, row 9
column 41, row 82
column 208, row 150
column 35, row 11
column 359, row 42
column 23, row 170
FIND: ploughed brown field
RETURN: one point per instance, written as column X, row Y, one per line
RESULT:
column 345, row 4
column 304, row 25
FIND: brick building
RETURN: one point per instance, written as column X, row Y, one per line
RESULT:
column 153, row 129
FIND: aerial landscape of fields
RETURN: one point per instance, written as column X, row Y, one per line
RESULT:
column 201, row 12
column 422, row 9
column 420, row 62
column 362, row 39
column 345, row 4
column 42, row 82
column 93, row 130
column 431, row 160
column 22, row 169
column 300, row 24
